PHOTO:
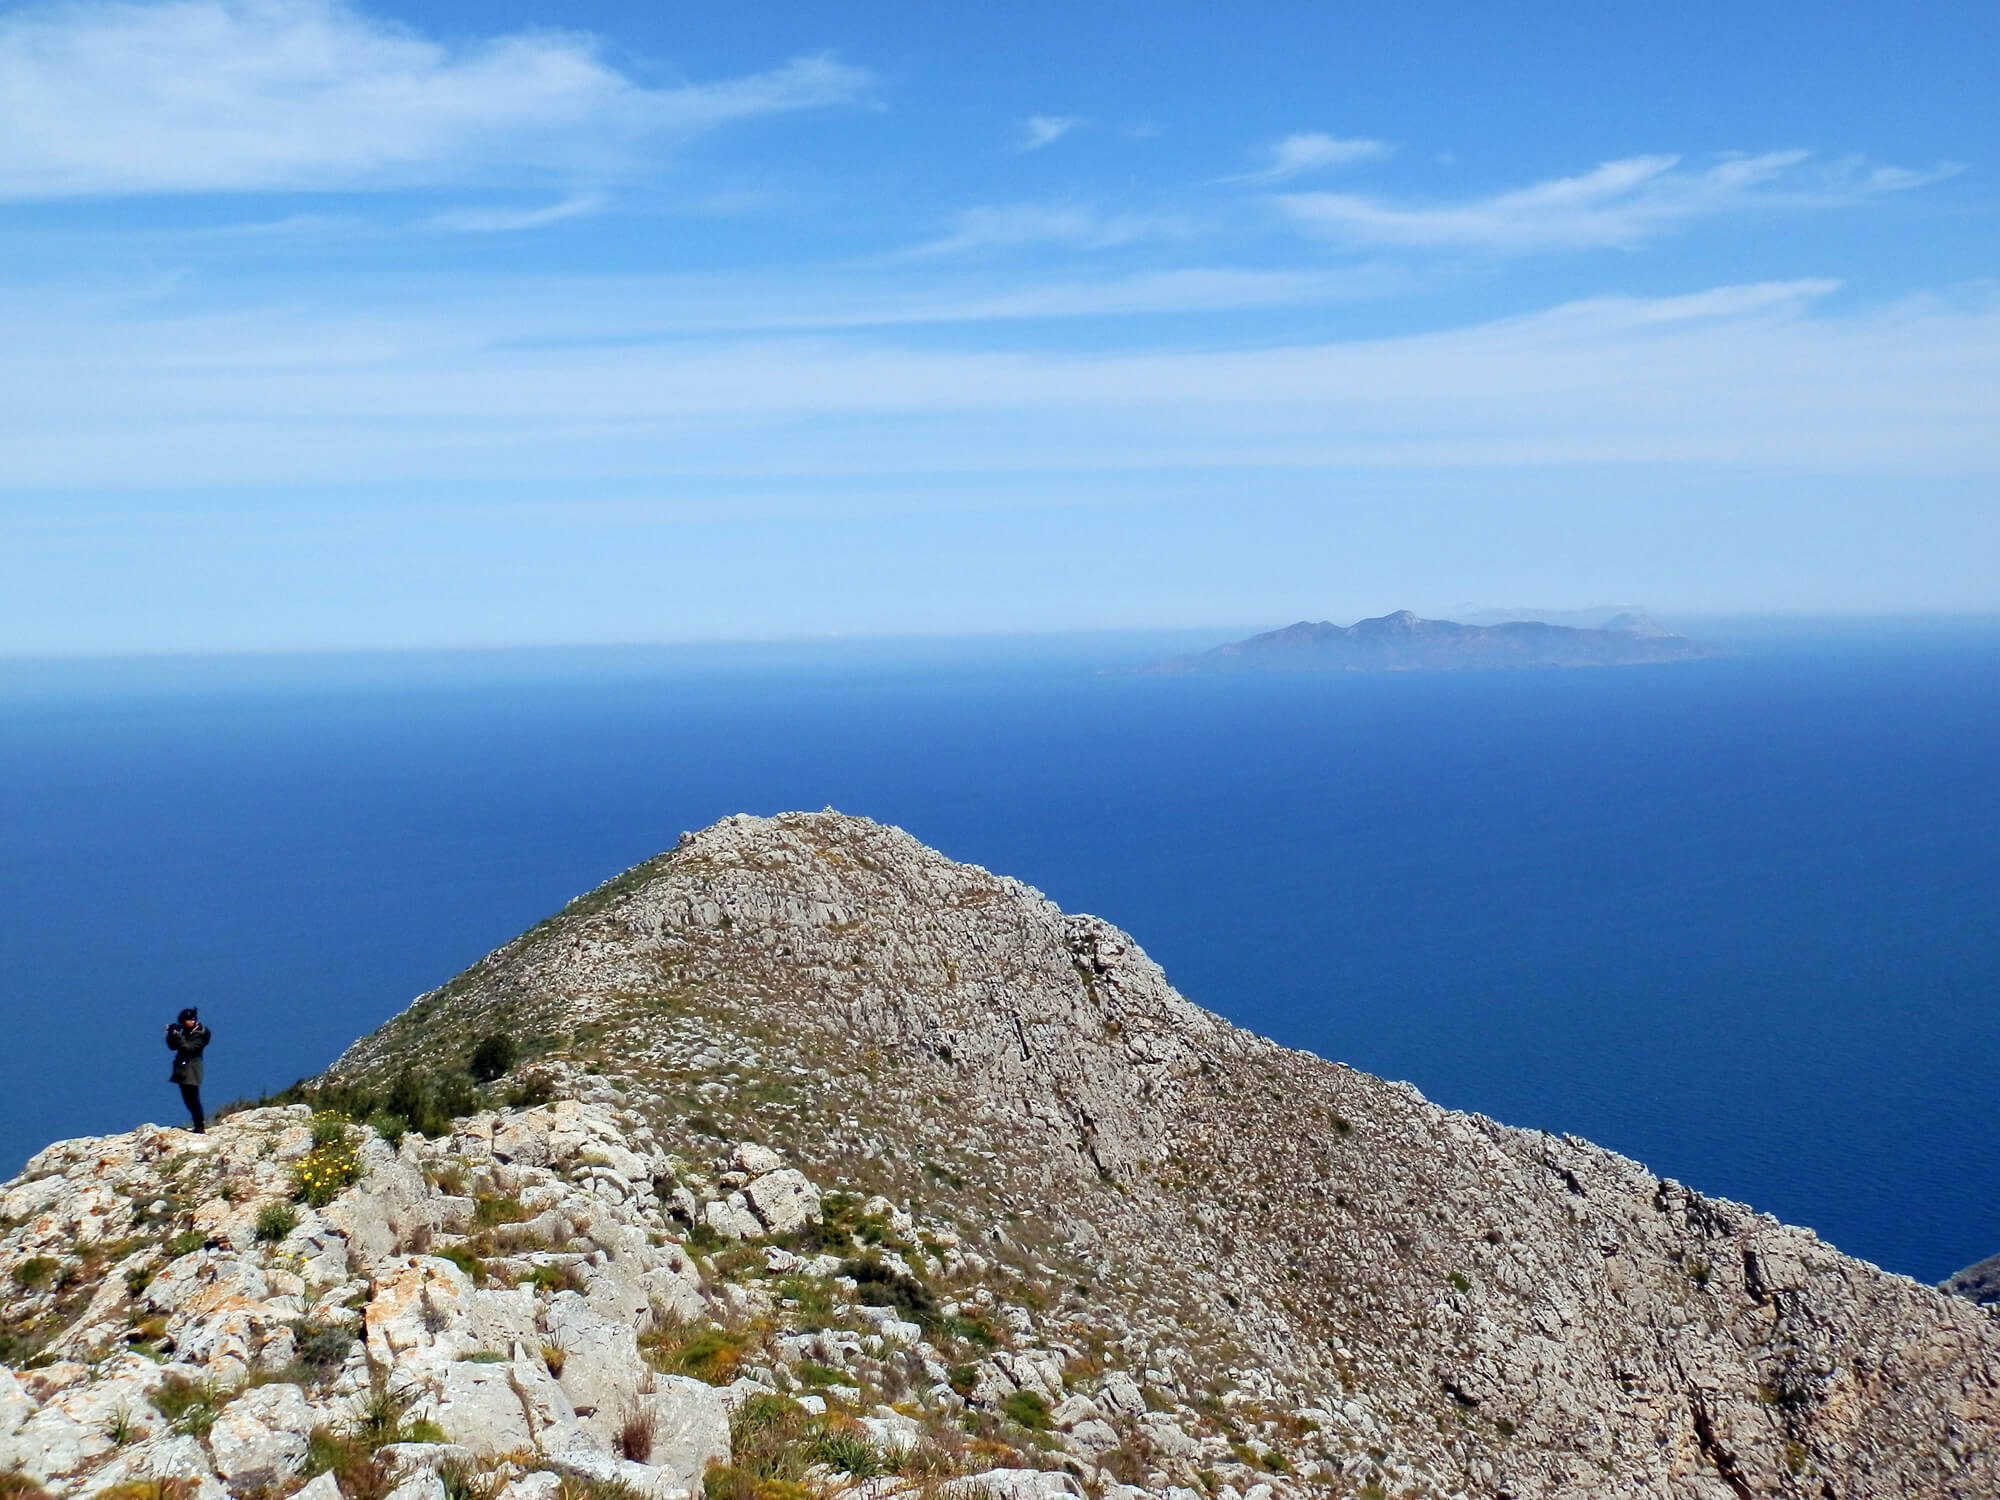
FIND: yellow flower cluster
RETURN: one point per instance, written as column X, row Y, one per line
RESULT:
column 324, row 1171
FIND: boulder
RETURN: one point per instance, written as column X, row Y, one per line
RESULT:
column 1118, row 1395
column 421, row 1312
column 785, row 1200
column 756, row 1160
column 259, row 1439
column 594, row 1465
column 690, row 1424
column 423, row 1486
column 477, row 1406
column 732, row 1219
column 602, row 1373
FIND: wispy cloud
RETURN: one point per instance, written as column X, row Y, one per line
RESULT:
column 1038, row 131
column 434, row 387
column 243, row 95
column 1619, row 204
column 502, row 220
column 1296, row 155
column 1069, row 225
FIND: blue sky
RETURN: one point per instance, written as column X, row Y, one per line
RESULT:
column 445, row 324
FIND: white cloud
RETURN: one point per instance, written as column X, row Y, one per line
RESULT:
column 438, row 387
column 199, row 96
column 1313, row 152
column 502, row 220
column 1073, row 226
column 1619, row 204
column 1038, row 131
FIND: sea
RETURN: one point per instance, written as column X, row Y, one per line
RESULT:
column 1734, row 918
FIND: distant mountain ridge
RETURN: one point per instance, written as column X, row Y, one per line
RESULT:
column 1405, row 642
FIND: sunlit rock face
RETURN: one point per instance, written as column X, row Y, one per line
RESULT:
column 818, row 1159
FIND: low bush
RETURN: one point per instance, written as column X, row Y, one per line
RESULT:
column 494, row 1055
column 321, row 1346
column 706, row 1353
column 35, row 1272
column 1029, row 1408
column 276, row 1220
column 324, row 1172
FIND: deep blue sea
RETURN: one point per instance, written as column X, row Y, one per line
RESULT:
column 1735, row 918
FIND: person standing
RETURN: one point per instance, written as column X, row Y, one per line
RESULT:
column 189, row 1039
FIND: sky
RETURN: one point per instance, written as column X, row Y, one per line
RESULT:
column 338, row 326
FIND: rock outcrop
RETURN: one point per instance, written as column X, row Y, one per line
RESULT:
column 833, row 1166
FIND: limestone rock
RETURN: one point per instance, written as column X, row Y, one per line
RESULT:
column 260, row 1437
column 784, row 1200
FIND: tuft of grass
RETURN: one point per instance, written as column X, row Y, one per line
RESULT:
column 276, row 1220
column 1459, row 1282
column 847, row 1452
column 351, row 1462
column 465, row 1259
column 185, row 1243
column 191, row 1406
column 35, row 1272
column 553, row 1278
column 14, row 1485
column 635, row 1436
column 488, row 1211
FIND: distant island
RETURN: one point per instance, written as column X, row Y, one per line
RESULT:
column 1403, row 642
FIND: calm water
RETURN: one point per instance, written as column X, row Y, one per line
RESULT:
column 1735, row 919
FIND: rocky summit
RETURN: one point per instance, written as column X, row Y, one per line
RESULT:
column 801, row 1161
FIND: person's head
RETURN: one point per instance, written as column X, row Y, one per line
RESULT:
column 187, row 1015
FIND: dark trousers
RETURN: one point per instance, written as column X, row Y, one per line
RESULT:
column 191, row 1097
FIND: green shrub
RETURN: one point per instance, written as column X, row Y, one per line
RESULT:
column 328, row 1129
column 884, row 1287
column 35, row 1272
column 185, row 1243
column 276, row 1220
column 535, row 1089
column 1030, row 1409
column 710, row 1354
column 391, row 1127
column 494, row 1055
column 321, row 1346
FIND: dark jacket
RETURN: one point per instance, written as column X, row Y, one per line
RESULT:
column 188, row 1043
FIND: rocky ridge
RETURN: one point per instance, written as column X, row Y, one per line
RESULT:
column 867, row 1172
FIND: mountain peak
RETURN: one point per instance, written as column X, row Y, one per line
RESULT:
column 897, row 1148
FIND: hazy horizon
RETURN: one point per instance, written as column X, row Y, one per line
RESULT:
column 367, row 323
